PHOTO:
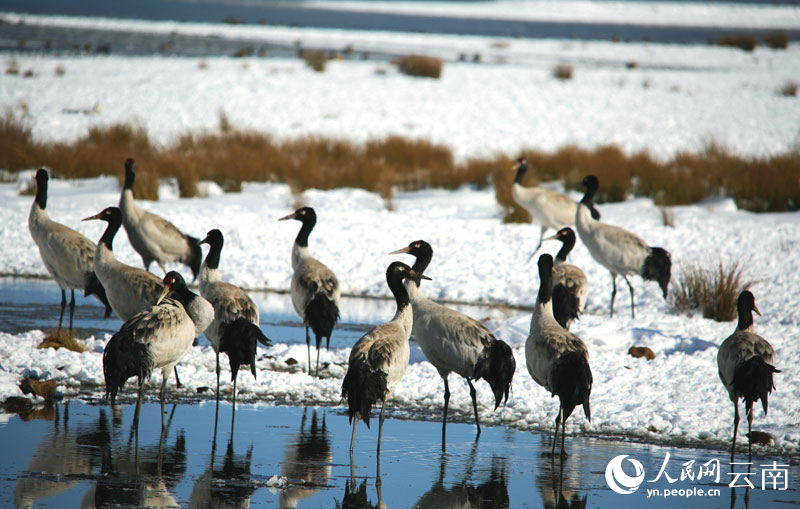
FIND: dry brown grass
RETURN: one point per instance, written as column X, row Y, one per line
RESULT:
column 744, row 42
column 712, row 291
column 231, row 156
column 789, row 89
column 563, row 72
column 315, row 59
column 61, row 339
column 420, row 65
column 777, row 40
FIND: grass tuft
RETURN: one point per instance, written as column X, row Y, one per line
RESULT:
column 61, row 339
column 744, row 42
column 563, row 72
column 315, row 59
column 777, row 40
column 420, row 65
column 789, row 89
column 713, row 291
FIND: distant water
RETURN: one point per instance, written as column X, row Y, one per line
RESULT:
column 300, row 15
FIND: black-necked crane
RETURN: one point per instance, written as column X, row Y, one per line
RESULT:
column 618, row 250
column 557, row 359
column 454, row 342
column 156, row 338
column 550, row 209
column 152, row 236
column 67, row 255
column 746, row 364
column 314, row 287
column 379, row 358
column 570, row 285
column 235, row 329
column 130, row 290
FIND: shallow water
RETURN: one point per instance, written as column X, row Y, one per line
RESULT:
column 88, row 456
column 82, row 453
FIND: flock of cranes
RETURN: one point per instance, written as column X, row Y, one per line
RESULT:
column 163, row 318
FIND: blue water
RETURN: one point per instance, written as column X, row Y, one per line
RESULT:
column 88, row 456
column 298, row 14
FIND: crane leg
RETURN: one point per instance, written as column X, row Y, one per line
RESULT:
column 613, row 291
column 735, row 427
column 750, row 434
column 178, row 383
column 380, row 425
column 319, row 344
column 630, row 287
column 308, row 346
column 163, row 393
column 563, row 435
column 71, row 307
column 446, row 403
column 555, row 437
column 217, row 376
column 473, row 395
column 63, row 306
column 234, row 392
column 327, row 343
column 138, row 405
column 353, row 437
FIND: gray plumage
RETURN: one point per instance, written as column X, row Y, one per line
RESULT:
column 314, row 287
column 570, row 286
column 379, row 358
column 67, row 255
column 746, row 363
column 130, row 289
column 152, row 236
column 618, row 250
column 550, row 209
column 235, row 327
column 454, row 342
column 156, row 338
column 557, row 359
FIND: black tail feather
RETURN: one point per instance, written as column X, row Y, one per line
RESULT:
column 496, row 365
column 658, row 267
column 572, row 383
column 238, row 340
column 362, row 388
column 566, row 305
column 195, row 257
column 123, row 358
column 322, row 315
column 94, row 287
column 752, row 380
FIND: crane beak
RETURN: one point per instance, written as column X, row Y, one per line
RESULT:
column 554, row 237
column 418, row 275
column 96, row 216
column 204, row 241
column 290, row 216
column 164, row 292
column 401, row 251
column 755, row 308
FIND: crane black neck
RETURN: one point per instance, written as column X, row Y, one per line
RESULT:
column 567, row 243
column 745, row 317
column 114, row 220
column 521, row 170
column 424, row 255
column 130, row 175
column 395, row 281
column 41, row 189
column 215, row 249
column 545, row 279
column 308, row 225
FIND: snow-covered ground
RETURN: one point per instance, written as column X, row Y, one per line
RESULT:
column 677, row 97
column 676, row 398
